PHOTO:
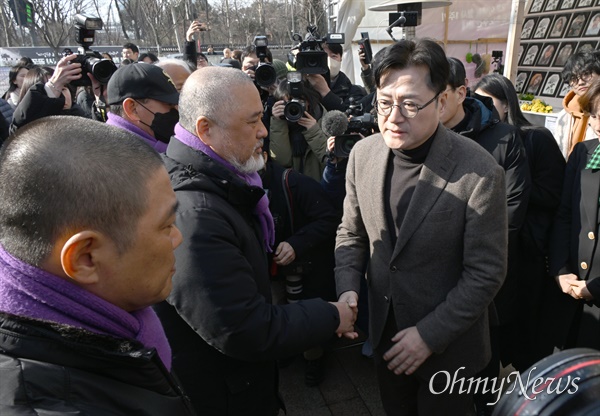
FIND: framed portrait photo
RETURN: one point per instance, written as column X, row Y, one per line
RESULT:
column 521, row 80
column 528, row 27
column 537, row 6
column 565, row 50
column 530, row 55
column 593, row 27
column 559, row 26
column 563, row 90
column 542, row 28
column 585, row 3
column 578, row 23
column 567, row 4
column 552, row 84
column 551, row 5
column 589, row 46
column 535, row 83
column 547, row 54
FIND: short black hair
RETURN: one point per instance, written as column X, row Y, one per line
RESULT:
column 62, row 174
column 336, row 48
column 457, row 76
column 419, row 52
column 131, row 46
column 580, row 63
column 251, row 50
column 153, row 58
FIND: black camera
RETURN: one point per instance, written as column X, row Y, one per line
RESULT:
column 358, row 126
column 311, row 58
column 91, row 61
column 295, row 108
column 264, row 74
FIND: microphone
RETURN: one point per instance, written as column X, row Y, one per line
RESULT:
column 334, row 123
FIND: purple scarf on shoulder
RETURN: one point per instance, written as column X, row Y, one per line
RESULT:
column 30, row 292
column 253, row 179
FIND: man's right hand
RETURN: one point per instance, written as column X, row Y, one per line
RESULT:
column 278, row 109
column 362, row 55
column 347, row 306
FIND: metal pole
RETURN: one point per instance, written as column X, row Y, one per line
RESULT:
column 514, row 39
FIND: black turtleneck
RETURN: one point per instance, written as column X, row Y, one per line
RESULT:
column 402, row 175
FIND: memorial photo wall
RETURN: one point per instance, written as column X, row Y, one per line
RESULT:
column 552, row 31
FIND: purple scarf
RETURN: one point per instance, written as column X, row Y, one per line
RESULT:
column 31, row 292
column 115, row 120
column 262, row 207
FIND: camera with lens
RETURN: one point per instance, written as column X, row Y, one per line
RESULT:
column 91, row 61
column 358, row 127
column 264, row 74
column 311, row 58
column 294, row 109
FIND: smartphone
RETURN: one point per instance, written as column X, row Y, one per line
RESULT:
column 365, row 44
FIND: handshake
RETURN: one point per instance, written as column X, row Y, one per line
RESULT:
column 347, row 306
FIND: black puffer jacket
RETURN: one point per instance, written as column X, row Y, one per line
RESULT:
column 224, row 332
column 50, row 368
column 504, row 143
column 341, row 92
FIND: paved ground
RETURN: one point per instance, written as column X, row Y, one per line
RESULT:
column 349, row 388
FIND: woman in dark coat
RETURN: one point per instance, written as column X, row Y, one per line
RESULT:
column 546, row 165
column 575, row 258
column 47, row 92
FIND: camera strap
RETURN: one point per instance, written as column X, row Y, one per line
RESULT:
column 288, row 197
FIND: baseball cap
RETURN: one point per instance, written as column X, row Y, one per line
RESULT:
column 141, row 80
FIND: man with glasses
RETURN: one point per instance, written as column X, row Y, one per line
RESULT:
column 425, row 216
column 571, row 127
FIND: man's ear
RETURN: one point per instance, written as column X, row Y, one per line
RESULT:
column 81, row 254
column 462, row 93
column 130, row 109
column 442, row 102
column 203, row 127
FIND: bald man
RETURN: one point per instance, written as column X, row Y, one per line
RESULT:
column 225, row 333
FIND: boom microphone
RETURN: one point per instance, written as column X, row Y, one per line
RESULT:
column 334, row 123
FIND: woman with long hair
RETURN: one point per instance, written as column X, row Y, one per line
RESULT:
column 547, row 166
column 15, row 80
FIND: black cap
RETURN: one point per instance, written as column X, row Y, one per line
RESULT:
column 141, row 80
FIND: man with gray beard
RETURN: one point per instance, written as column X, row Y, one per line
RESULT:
column 224, row 332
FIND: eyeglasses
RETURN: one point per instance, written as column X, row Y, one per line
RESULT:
column 408, row 109
column 585, row 77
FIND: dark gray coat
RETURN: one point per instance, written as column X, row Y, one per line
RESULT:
column 450, row 257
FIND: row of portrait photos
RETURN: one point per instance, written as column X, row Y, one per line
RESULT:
column 541, row 6
column 567, row 25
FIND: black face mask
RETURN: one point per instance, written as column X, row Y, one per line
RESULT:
column 163, row 124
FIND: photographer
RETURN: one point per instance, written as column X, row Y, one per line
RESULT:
column 305, row 224
column 336, row 95
column 190, row 53
column 299, row 144
column 46, row 92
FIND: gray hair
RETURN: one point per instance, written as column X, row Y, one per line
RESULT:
column 174, row 61
column 62, row 174
column 204, row 95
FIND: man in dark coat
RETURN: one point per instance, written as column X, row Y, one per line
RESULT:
column 79, row 272
column 425, row 215
column 225, row 333
column 340, row 92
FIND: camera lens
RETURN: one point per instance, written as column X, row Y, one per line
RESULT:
column 265, row 75
column 102, row 69
column 293, row 111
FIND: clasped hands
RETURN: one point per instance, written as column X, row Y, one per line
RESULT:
column 572, row 286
